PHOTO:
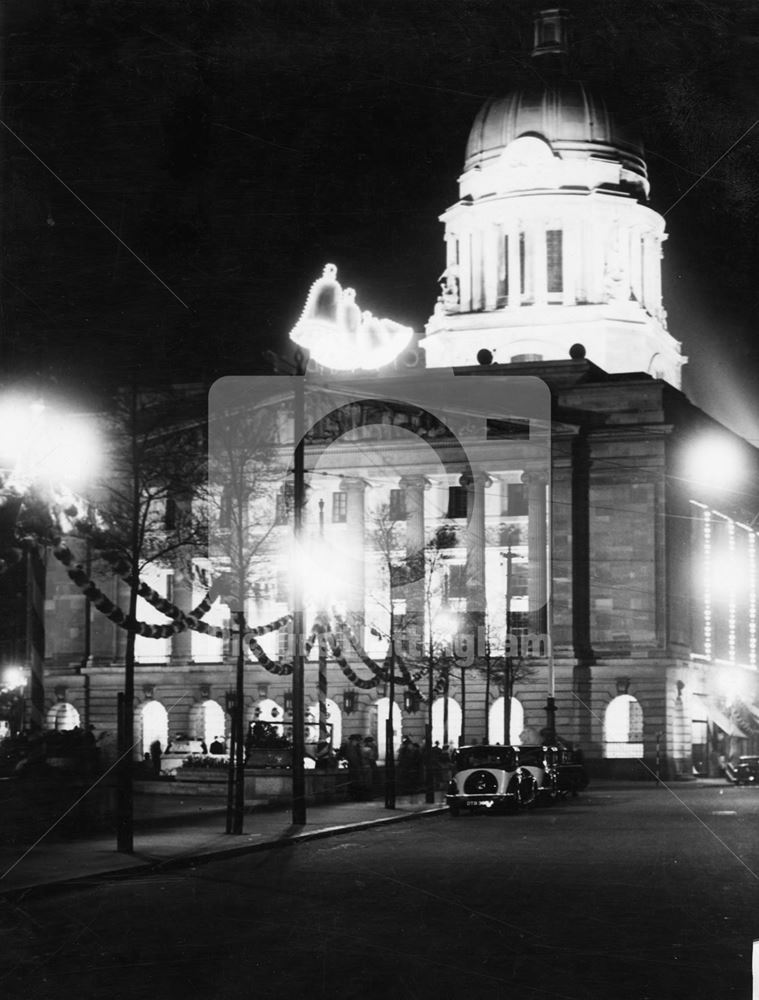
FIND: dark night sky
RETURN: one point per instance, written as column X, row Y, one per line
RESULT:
column 236, row 146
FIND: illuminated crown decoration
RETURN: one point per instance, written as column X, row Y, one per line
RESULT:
column 339, row 335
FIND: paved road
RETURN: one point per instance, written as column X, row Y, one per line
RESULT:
column 639, row 894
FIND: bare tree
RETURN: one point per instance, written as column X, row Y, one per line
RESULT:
column 142, row 514
column 247, row 497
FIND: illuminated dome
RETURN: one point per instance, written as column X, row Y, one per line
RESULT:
column 565, row 115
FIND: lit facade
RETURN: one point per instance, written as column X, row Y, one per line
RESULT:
column 644, row 576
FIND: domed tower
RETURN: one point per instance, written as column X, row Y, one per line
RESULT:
column 551, row 242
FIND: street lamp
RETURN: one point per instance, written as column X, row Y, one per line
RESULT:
column 12, row 688
column 49, row 453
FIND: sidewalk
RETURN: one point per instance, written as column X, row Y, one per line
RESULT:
column 185, row 834
column 174, row 832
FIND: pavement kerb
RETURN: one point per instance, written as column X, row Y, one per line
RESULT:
column 191, row 860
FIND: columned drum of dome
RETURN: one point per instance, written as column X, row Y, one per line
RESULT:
column 552, row 242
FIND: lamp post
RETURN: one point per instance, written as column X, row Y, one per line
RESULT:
column 508, row 664
column 45, row 452
column 12, row 688
column 299, row 497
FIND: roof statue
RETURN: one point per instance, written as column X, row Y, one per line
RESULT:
column 339, row 335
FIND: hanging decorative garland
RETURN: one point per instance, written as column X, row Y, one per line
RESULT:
column 383, row 672
column 351, row 675
column 281, row 669
column 182, row 622
column 106, row 607
column 122, row 568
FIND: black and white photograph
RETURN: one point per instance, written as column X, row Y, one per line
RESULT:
column 379, row 499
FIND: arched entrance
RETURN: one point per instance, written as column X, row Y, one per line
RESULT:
column 441, row 733
column 334, row 723
column 62, row 717
column 383, row 709
column 212, row 722
column 623, row 728
column 153, row 723
column 495, row 722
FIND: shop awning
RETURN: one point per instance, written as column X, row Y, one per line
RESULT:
column 718, row 717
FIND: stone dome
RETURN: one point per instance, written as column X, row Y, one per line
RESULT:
column 575, row 123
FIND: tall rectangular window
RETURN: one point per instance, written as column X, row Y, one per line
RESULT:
column 554, row 261
column 457, row 501
column 522, row 264
column 503, row 271
column 516, row 500
column 339, row 508
column 457, row 581
column 397, row 505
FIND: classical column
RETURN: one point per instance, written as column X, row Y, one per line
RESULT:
column 636, row 262
column 465, row 271
column 490, row 257
column 181, row 642
column 539, row 265
column 653, row 256
column 571, row 257
column 354, row 548
column 514, row 276
column 413, row 492
column 537, row 552
column 475, row 545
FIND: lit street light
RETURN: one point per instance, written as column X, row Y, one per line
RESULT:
column 43, row 454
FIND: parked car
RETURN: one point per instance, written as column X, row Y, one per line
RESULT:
column 573, row 778
column 501, row 777
column 744, row 771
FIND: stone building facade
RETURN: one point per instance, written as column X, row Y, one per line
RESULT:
column 641, row 570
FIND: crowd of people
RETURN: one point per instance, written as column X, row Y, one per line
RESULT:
column 359, row 755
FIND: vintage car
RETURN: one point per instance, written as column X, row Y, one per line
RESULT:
column 744, row 771
column 501, row 777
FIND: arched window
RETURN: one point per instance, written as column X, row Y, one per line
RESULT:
column 62, row 716
column 212, row 722
column 154, row 723
column 334, row 722
column 441, row 733
column 383, row 708
column 623, row 727
column 495, row 722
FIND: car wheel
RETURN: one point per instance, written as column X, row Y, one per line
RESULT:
column 527, row 792
column 453, row 810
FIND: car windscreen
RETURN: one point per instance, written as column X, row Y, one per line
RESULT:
column 470, row 757
column 531, row 756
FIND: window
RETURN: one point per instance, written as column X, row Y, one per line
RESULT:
column 225, row 508
column 397, row 505
column 170, row 514
column 554, row 261
column 339, row 508
column 518, row 579
column 457, row 581
column 285, row 502
column 509, row 534
column 522, row 263
column 457, row 501
column 514, row 499
column 282, row 586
